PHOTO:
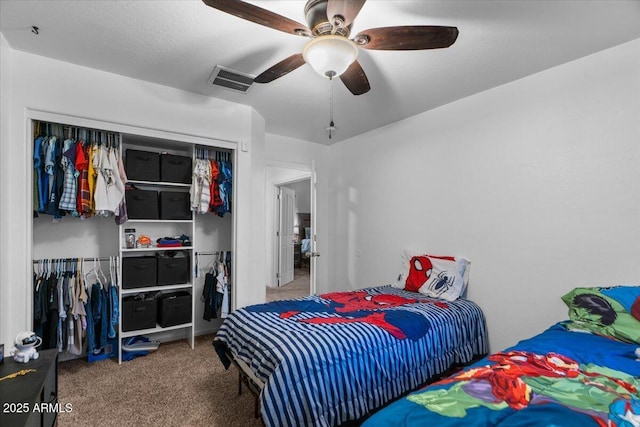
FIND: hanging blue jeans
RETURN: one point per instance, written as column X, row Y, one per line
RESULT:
column 104, row 324
column 115, row 310
column 91, row 333
column 39, row 166
column 100, row 316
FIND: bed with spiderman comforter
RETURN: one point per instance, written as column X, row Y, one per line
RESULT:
column 333, row 358
column 581, row 372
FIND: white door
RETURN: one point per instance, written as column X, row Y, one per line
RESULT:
column 285, row 235
column 314, row 240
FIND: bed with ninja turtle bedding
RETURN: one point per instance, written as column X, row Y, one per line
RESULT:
column 580, row 372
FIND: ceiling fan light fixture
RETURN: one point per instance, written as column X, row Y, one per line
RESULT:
column 330, row 55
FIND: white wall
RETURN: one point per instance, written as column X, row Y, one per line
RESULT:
column 254, row 255
column 5, row 128
column 31, row 82
column 296, row 156
column 535, row 181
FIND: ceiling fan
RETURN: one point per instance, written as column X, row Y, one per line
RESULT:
column 331, row 52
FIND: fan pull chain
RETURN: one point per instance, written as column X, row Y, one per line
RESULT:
column 332, row 126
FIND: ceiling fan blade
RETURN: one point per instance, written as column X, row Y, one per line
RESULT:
column 355, row 79
column 259, row 16
column 407, row 38
column 281, row 68
column 347, row 9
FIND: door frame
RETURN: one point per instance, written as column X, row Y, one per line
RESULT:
column 299, row 172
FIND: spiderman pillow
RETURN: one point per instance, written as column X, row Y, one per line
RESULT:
column 432, row 275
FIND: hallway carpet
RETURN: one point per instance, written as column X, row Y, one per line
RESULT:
column 298, row 288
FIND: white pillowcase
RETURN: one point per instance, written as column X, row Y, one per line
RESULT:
column 436, row 276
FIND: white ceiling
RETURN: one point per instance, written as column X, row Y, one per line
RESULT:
column 178, row 43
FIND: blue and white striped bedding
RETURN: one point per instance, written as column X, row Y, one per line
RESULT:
column 325, row 360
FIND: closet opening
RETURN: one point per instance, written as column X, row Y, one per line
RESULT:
column 156, row 247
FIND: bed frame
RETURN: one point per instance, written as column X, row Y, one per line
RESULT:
column 254, row 384
column 246, row 376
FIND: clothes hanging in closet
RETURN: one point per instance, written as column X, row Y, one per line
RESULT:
column 200, row 192
column 215, row 294
column 75, row 310
column 77, row 172
column 211, row 185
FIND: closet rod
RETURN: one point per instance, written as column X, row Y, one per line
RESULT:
column 210, row 253
column 210, row 153
column 68, row 126
column 213, row 149
column 104, row 258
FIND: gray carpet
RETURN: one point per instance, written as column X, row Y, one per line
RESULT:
column 173, row 386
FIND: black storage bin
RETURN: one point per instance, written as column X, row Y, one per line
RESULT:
column 142, row 165
column 175, row 168
column 138, row 272
column 173, row 270
column 139, row 312
column 174, row 308
column 175, row 205
column 142, row 204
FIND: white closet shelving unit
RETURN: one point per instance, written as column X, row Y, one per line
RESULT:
column 157, row 228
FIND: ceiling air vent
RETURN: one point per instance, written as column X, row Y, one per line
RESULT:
column 231, row 79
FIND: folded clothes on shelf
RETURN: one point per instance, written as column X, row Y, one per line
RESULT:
column 173, row 242
column 169, row 243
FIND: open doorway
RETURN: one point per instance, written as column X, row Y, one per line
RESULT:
column 290, row 234
column 293, row 239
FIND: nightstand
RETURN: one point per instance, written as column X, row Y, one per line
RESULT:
column 20, row 395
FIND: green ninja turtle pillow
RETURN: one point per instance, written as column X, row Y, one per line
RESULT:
column 611, row 311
